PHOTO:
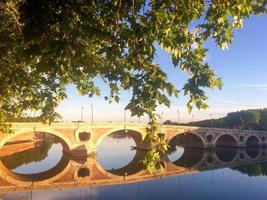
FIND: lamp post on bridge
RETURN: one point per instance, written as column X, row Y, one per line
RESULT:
column 124, row 116
column 92, row 113
column 178, row 115
column 161, row 118
column 211, row 120
column 242, row 123
column 82, row 114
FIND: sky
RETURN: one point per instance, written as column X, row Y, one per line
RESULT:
column 242, row 67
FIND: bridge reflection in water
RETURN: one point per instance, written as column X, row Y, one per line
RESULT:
column 73, row 171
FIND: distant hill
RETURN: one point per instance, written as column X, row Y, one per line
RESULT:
column 252, row 119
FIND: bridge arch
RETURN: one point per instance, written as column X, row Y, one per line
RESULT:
column 135, row 133
column 62, row 136
column 253, row 140
column 226, row 140
column 188, row 139
column 59, row 170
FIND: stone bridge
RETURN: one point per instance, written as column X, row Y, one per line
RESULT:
column 83, row 139
column 86, row 171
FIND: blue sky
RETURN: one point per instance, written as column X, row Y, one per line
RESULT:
column 243, row 69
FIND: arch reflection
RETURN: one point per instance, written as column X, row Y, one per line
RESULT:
column 131, row 168
column 226, row 154
column 42, row 162
column 226, row 140
column 121, row 153
column 252, row 141
column 253, row 152
column 187, row 157
column 190, row 158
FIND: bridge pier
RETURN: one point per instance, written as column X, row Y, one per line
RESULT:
column 83, row 150
column 91, row 150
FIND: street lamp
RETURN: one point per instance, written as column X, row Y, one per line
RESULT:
column 82, row 114
column 161, row 117
column 242, row 123
column 92, row 116
column 211, row 120
column 178, row 115
column 124, row 116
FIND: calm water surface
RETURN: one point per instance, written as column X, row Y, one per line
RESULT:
column 115, row 152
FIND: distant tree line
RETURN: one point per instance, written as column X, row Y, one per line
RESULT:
column 26, row 118
column 252, row 119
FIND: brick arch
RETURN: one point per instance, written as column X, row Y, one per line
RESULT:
column 62, row 136
column 197, row 136
column 253, row 140
column 223, row 140
column 105, row 134
column 128, row 168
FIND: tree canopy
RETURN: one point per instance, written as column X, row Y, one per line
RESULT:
column 46, row 45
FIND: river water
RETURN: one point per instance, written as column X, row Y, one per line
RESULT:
column 217, row 174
